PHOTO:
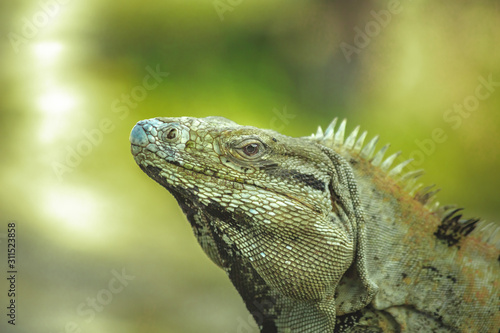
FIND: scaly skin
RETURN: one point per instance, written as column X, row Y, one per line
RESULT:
column 315, row 236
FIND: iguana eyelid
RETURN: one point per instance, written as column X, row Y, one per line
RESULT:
column 246, row 142
column 261, row 148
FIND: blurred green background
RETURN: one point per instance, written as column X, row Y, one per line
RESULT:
column 72, row 80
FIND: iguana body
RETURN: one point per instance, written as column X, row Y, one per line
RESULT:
column 317, row 235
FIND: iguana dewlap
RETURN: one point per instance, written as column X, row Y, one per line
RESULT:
column 319, row 234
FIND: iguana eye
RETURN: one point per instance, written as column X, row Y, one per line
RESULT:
column 251, row 149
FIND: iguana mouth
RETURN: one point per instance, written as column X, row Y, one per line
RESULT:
column 155, row 174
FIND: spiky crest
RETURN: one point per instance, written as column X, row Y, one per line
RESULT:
column 452, row 227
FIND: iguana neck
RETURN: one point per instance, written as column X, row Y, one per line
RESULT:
column 399, row 254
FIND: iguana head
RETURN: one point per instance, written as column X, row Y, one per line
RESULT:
column 275, row 212
column 214, row 149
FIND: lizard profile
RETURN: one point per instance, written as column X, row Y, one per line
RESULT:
column 320, row 234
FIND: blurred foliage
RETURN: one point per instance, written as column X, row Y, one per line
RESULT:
column 251, row 63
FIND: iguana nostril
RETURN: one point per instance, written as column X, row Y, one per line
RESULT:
column 138, row 136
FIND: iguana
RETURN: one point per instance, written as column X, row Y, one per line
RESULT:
column 320, row 234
